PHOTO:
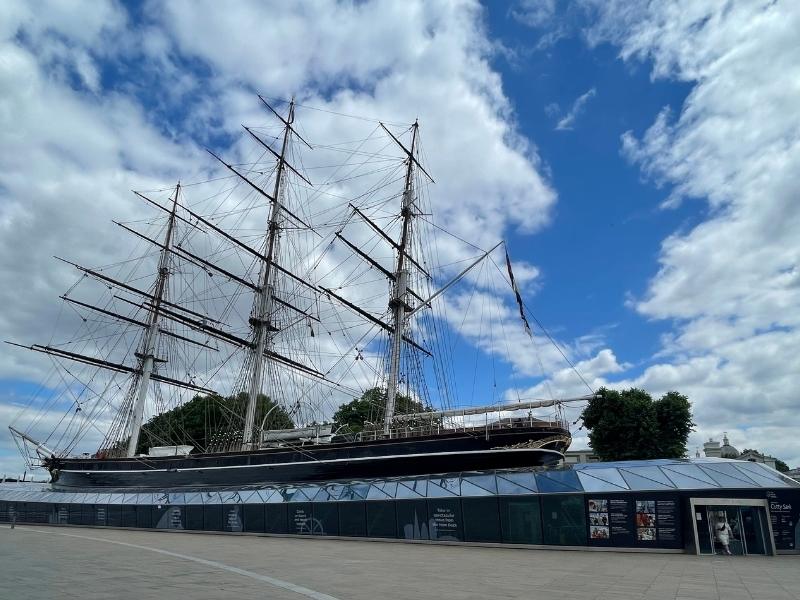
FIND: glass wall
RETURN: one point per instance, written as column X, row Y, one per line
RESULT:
column 632, row 504
column 564, row 520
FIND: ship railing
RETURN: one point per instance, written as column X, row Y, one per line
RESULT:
column 438, row 427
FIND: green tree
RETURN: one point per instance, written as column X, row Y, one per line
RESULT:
column 630, row 425
column 674, row 418
column 367, row 411
column 199, row 420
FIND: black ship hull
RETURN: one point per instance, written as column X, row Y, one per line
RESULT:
column 442, row 453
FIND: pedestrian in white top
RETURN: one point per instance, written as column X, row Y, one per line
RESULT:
column 723, row 533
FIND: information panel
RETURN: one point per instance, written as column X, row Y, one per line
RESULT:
column 784, row 508
column 667, row 522
column 629, row 521
column 610, row 521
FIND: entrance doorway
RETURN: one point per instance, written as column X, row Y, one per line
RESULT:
column 732, row 527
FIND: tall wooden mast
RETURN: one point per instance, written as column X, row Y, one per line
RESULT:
column 146, row 355
column 262, row 305
column 398, row 303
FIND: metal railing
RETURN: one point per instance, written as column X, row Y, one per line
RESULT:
column 434, row 428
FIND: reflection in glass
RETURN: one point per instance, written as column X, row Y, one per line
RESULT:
column 438, row 488
column 602, row 480
column 516, row 483
column 558, row 481
column 646, row 478
column 412, row 488
column 727, row 475
column 689, row 477
column 487, row 482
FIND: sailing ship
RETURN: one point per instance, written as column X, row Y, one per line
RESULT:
column 289, row 332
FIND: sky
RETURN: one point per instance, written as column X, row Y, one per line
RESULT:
column 639, row 158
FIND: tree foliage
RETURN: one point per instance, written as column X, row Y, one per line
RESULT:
column 367, row 411
column 630, row 425
column 202, row 418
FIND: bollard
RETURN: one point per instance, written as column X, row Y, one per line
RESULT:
column 13, row 519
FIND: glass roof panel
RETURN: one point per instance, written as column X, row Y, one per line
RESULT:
column 646, row 478
column 275, row 496
column 286, row 493
column 211, row 498
column 334, row 490
column 602, row 480
column 689, row 477
column 301, row 494
column 761, row 473
column 260, row 496
column 470, row 489
column 360, row 490
column 322, row 495
column 338, row 491
column 727, row 475
column 232, row 497
column 412, row 488
column 487, row 482
column 558, row 481
column 346, row 493
column 378, row 491
column 516, row 483
column 176, row 497
column 250, row 497
column 446, row 486
column 192, row 498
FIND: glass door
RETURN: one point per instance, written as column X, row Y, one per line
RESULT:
column 732, row 530
column 753, row 529
column 726, row 534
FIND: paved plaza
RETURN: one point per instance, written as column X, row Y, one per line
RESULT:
column 70, row 562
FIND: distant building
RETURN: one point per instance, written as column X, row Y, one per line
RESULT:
column 794, row 474
column 574, row 457
column 713, row 449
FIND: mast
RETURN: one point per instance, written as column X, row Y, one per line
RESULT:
column 147, row 355
column 398, row 302
column 262, row 305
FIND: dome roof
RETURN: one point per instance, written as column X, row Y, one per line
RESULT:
column 728, row 451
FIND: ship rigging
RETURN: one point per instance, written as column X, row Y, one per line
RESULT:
column 287, row 319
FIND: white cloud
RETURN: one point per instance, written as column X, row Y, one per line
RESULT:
column 567, row 122
column 731, row 284
column 534, row 13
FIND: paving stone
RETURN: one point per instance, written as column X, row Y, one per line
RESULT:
column 69, row 562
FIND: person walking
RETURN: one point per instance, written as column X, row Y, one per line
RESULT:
column 723, row 533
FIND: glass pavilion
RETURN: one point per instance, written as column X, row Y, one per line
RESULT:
column 664, row 504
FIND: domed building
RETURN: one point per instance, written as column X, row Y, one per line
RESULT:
column 728, row 451
column 713, row 449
